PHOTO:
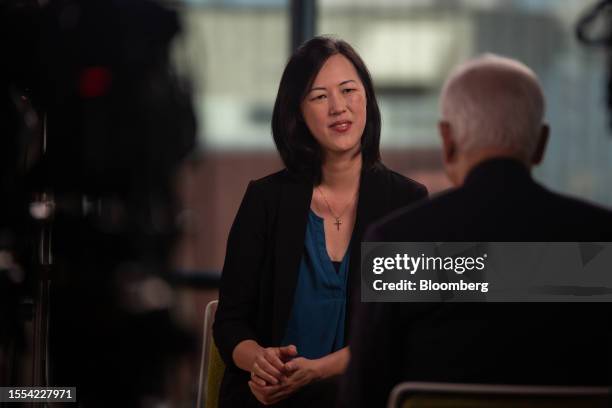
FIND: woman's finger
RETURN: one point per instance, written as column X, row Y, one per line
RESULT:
column 258, row 380
column 287, row 352
column 265, row 391
column 260, row 397
column 268, row 368
column 281, row 394
column 273, row 357
column 295, row 364
column 261, row 373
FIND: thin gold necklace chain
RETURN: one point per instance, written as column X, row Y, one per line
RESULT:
column 337, row 217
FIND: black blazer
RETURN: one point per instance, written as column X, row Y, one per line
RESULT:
column 520, row 343
column 264, row 249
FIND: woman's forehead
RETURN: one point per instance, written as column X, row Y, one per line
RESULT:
column 335, row 71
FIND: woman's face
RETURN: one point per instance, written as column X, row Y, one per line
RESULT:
column 334, row 108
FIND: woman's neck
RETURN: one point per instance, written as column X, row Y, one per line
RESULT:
column 341, row 174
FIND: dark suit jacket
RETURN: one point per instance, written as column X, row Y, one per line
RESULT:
column 264, row 249
column 529, row 343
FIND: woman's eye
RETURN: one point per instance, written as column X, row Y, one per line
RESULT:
column 318, row 97
column 348, row 90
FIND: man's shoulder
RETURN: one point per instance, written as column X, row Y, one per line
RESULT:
column 470, row 214
column 577, row 208
column 416, row 218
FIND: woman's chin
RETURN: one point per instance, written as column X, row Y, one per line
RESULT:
column 343, row 151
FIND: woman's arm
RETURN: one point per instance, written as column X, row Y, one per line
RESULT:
column 239, row 289
column 334, row 363
column 234, row 327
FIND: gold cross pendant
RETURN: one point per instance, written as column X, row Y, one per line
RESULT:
column 338, row 223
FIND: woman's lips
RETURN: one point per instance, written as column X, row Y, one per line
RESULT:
column 341, row 127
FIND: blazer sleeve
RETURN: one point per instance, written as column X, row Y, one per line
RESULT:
column 239, row 289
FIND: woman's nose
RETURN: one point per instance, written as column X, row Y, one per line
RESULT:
column 337, row 104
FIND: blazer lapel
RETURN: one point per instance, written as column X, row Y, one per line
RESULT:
column 294, row 203
column 369, row 208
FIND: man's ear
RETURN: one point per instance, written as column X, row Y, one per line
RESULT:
column 538, row 155
column 449, row 148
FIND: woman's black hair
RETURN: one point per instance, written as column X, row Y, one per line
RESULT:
column 297, row 147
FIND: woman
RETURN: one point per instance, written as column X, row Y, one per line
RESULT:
column 293, row 255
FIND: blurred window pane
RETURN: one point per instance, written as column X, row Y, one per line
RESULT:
column 410, row 46
column 234, row 51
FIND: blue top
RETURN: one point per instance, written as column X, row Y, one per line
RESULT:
column 316, row 323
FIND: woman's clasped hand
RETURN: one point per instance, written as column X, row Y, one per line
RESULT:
column 277, row 373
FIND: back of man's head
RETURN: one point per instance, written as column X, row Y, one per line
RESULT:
column 491, row 106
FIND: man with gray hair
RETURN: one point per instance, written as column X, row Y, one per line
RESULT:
column 492, row 133
column 491, row 107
